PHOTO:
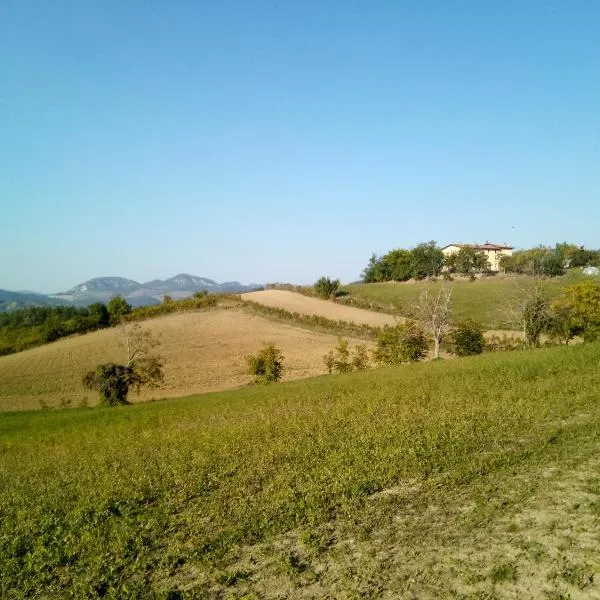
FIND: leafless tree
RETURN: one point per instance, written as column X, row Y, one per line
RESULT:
column 527, row 309
column 140, row 345
column 433, row 310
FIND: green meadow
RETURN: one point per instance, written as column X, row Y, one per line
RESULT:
column 296, row 490
column 484, row 300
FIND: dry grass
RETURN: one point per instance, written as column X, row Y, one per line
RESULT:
column 203, row 352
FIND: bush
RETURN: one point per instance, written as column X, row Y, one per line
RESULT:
column 360, row 360
column 404, row 342
column 467, row 339
column 326, row 288
column 267, row 365
column 504, row 342
column 341, row 361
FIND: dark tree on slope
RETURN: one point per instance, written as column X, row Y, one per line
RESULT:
column 143, row 369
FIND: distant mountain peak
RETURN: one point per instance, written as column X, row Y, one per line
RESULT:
column 102, row 289
column 104, row 284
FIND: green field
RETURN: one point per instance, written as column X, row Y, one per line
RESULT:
column 483, row 300
column 472, row 478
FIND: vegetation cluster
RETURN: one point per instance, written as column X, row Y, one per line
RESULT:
column 427, row 260
column 29, row 327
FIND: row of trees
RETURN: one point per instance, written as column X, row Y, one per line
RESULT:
column 427, row 260
column 548, row 261
column 424, row 260
column 28, row 327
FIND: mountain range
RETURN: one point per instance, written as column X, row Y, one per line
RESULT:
column 102, row 289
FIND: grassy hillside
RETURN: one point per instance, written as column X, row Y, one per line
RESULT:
column 427, row 480
column 483, row 300
column 203, row 351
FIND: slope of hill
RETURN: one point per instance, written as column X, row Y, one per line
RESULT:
column 307, row 305
column 473, row 478
column 202, row 351
column 484, row 300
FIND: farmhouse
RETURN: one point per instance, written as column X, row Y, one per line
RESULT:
column 493, row 252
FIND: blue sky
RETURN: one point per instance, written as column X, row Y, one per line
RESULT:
column 283, row 140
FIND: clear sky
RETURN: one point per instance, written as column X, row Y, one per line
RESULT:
column 285, row 140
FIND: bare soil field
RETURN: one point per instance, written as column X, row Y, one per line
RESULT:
column 202, row 352
column 294, row 302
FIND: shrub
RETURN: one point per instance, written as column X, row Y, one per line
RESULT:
column 267, row 365
column 329, row 360
column 467, row 339
column 341, row 361
column 360, row 360
column 504, row 342
column 404, row 342
column 326, row 288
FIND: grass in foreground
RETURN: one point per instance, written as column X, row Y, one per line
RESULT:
column 171, row 496
column 483, row 300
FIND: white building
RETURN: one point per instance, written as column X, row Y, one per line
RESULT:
column 493, row 252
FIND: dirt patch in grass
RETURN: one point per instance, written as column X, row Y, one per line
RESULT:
column 525, row 535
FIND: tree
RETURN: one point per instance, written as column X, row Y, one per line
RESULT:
column 396, row 265
column 582, row 257
column 326, row 288
column 369, row 274
column 427, row 260
column 405, row 342
column 468, row 262
column 112, row 381
column 98, row 315
column 143, row 369
column 467, row 339
column 433, row 312
column 266, row 366
column 528, row 309
column 118, row 307
column 582, row 304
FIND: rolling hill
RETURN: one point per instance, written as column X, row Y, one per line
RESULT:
column 203, row 351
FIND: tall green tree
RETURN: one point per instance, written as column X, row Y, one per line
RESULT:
column 468, row 262
column 427, row 260
column 118, row 307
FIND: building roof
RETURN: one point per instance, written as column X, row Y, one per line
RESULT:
column 486, row 246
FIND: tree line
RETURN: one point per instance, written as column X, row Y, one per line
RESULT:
column 427, row 260
column 29, row 327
